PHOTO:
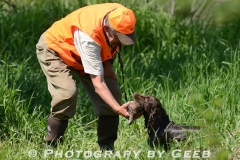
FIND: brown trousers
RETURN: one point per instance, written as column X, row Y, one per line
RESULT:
column 63, row 89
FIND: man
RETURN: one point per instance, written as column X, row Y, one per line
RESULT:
column 85, row 42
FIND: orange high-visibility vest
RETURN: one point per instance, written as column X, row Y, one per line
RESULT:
column 89, row 19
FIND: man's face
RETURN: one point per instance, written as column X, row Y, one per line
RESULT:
column 112, row 37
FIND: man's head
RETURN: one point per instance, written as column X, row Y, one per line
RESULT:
column 120, row 26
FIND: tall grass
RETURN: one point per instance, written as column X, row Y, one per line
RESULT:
column 192, row 69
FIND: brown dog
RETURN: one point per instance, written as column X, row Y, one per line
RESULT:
column 160, row 130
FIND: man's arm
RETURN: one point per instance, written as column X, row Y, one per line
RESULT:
column 91, row 60
column 103, row 91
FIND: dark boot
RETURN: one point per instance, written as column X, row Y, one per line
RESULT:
column 107, row 132
column 55, row 131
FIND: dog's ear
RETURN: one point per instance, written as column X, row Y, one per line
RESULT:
column 154, row 111
column 154, row 116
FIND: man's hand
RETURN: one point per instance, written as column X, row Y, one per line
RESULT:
column 123, row 110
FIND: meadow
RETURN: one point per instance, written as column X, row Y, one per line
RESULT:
column 192, row 68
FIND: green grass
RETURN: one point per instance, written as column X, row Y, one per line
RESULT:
column 192, row 69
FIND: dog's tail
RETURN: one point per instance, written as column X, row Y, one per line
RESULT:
column 178, row 132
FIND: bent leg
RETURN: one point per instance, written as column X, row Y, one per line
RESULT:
column 62, row 88
column 108, row 119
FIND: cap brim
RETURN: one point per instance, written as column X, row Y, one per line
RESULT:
column 126, row 39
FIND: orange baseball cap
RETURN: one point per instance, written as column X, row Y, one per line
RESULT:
column 123, row 22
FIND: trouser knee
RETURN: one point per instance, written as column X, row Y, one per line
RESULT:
column 64, row 105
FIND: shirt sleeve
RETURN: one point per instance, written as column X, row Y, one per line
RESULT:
column 89, row 52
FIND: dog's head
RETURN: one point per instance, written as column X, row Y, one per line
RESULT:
column 152, row 109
